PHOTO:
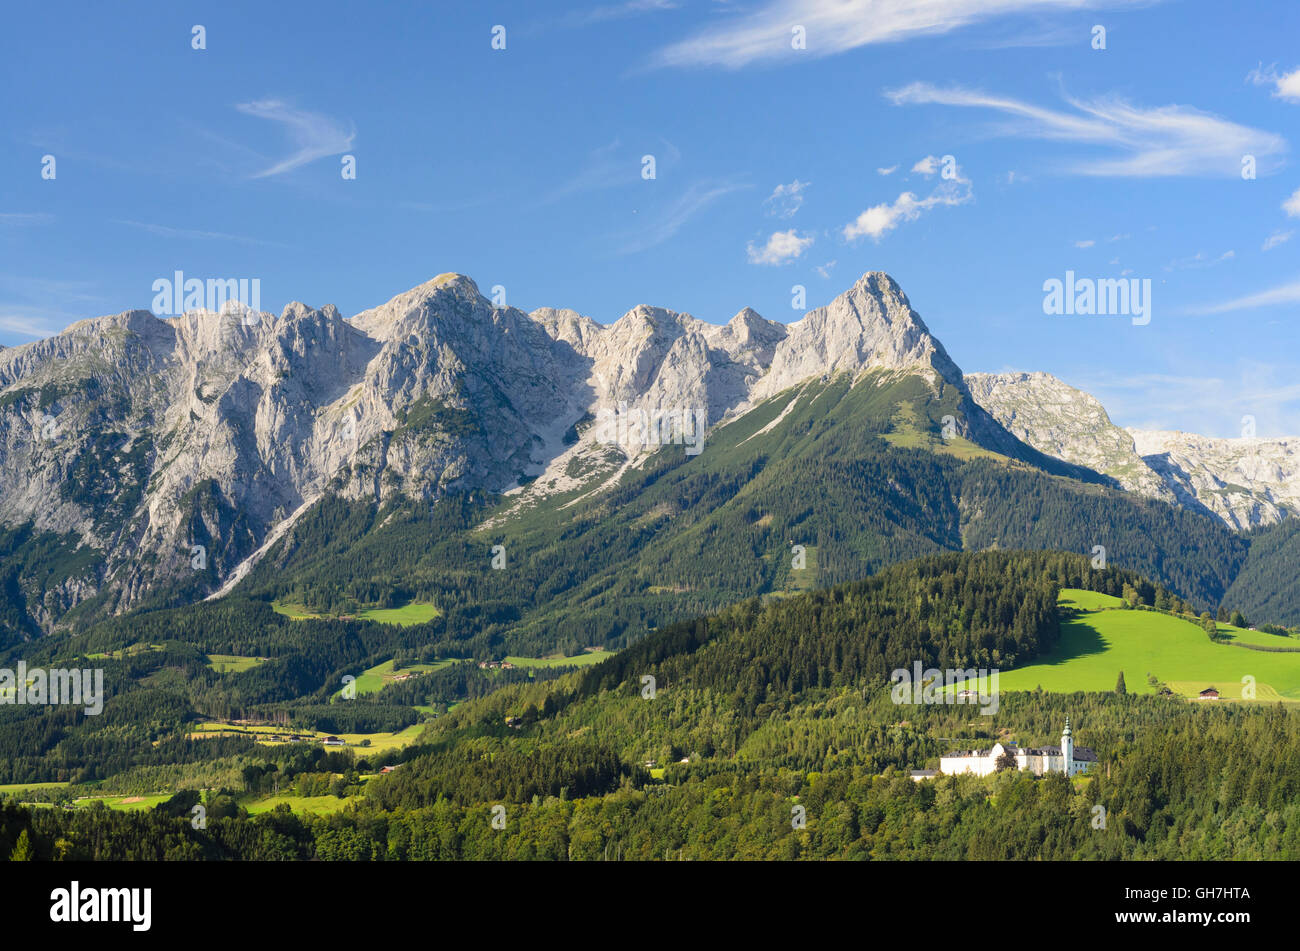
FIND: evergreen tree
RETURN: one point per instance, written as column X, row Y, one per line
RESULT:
column 23, row 849
column 1119, row 685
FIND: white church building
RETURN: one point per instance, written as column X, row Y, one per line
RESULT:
column 1066, row 758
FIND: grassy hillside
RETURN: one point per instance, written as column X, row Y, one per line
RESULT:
column 761, row 708
column 1104, row 639
column 856, row 472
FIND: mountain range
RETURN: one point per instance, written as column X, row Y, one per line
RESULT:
column 148, row 461
column 1247, row 482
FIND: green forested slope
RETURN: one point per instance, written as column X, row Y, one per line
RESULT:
column 687, row 535
column 803, row 758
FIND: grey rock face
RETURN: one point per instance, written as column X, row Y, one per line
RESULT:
column 1246, row 482
column 1062, row 421
column 151, row 440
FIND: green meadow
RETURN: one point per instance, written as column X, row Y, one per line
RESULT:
column 381, row 675
column 1103, row 640
column 413, row 613
column 125, row 652
column 374, row 742
column 319, row 805
column 125, row 802
column 233, row 663
column 19, row 788
column 585, row 659
column 417, row 612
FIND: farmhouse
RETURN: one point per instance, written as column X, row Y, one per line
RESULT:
column 1066, row 758
column 1209, row 693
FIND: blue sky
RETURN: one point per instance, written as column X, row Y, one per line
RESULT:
column 523, row 167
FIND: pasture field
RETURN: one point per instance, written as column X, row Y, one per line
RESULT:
column 233, row 663
column 318, row 805
column 413, row 613
column 379, row 742
column 1100, row 642
column 416, row 612
column 125, row 652
column 585, row 659
column 11, row 788
column 124, row 802
column 381, row 675
column 295, row 612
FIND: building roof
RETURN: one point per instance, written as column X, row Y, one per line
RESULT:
column 1081, row 753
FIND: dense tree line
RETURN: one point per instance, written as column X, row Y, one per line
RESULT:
column 1268, row 586
column 685, row 536
column 992, row 610
column 1175, row 781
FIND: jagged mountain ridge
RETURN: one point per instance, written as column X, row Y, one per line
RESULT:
column 150, row 440
column 1065, row 422
column 1247, row 483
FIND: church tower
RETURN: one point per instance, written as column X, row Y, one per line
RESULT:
column 1067, row 749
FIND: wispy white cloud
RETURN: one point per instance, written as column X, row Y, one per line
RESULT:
column 887, row 171
column 1292, row 205
column 825, row 269
column 1199, row 260
column 603, row 168
column 1210, row 405
column 1084, row 244
column 1021, row 37
column 879, row 220
column 167, row 232
column 1161, row 141
column 26, row 325
column 39, row 290
column 763, row 33
column 1284, row 294
column 611, row 166
column 786, row 200
column 1276, row 238
column 617, row 11
column 926, row 166
column 39, row 307
column 782, row 247
column 314, row 135
column 1285, row 85
column 681, row 210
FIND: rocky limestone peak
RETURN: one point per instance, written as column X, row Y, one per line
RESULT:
column 296, row 310
column 1246, row 481
column 444, row 296
column 208, row 426
column 871, row 325
column 747, row 335
column 751, row 327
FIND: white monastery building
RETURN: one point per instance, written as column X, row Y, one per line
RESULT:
column 1066, row 758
